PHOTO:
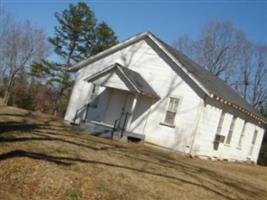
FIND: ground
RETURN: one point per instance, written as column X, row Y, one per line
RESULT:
column 42, row 158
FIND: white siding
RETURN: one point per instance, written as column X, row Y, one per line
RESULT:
column 204, row 145
column 79, row 98
column 112, row 80
column 193, row 118
column 143, row 59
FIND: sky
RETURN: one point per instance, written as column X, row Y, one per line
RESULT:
column 167, row 19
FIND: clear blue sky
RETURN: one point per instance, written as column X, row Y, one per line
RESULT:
column 166, row 19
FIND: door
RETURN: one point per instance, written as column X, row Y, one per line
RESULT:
column 119, row 101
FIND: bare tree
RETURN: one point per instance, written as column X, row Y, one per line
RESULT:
column 243, row 67
column 5, row 24
column 258, row 95
column 215, row 49
column 22, row 44
column 186, row 46
column 227, row 53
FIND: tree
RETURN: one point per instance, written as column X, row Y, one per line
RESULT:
column 104, row 38
column 5, row 25
column 215, row 49
column 22, row 44
column 185, row 45
column 74, row 34
column 258, row 96
column 226, row 52
column 77, row 36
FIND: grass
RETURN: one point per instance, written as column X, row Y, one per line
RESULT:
column 42, row 158
column 73, row 195
column 58, row 150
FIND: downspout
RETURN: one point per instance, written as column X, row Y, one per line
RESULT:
column 199, row 115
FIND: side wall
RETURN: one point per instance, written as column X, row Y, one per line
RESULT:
column 204, row 142
column 164, row 80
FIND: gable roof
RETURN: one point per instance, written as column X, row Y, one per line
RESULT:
column 211, row 85
column 132, row 77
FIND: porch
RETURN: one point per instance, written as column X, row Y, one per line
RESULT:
column 120, row 104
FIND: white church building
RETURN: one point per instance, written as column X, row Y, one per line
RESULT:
column 144, row 89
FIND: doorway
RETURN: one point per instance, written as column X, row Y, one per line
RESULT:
column 119, row 104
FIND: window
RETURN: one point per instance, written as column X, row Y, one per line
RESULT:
column 253, row 142
column 219, row 128
column 171, row 111
column 242, row 135
column 230, row 134
column 94, row 96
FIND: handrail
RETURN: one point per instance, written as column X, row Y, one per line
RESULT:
column 117, row 123
column 114, row 127
column 125, row 122
column 79, row 111
column 86, row 112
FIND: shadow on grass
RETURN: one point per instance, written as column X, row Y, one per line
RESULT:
column 26, row 114
column 17, row 126
column 195, row 172
column 24, row 139
column 46, row 132
column 67, row 161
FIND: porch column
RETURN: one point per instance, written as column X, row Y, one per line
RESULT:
column 132, row 111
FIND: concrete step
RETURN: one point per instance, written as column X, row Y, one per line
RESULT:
column 106, row 131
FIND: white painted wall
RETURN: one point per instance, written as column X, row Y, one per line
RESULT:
column 98, row 113
column 143, row 59
column 206, row 133
column 193, row 118
column 112, row 80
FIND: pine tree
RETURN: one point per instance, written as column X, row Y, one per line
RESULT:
column 105, row 38
column 77, row 37
column 74, row 34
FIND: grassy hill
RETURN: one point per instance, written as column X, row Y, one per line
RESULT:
column 42, row 158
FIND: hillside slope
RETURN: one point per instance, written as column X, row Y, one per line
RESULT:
column 42, row 158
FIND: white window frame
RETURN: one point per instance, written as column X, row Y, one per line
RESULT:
column 231, row 131
column 220, row 123
column 253, row 142
column 175, row 111
column 242, row 135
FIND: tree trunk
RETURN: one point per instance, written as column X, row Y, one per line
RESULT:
column 8, row 90
column 6, row 98
column 58, row 101
column 63, row 88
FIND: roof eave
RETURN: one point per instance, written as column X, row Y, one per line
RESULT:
column 252, row 115
column 121, row 45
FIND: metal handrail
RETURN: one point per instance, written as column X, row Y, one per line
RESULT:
column 86, row 112
column 125, row 122
column 117, row 123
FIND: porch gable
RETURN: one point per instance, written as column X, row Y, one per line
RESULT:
column 119, row 77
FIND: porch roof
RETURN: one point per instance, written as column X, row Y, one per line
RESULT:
column 130, row 77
